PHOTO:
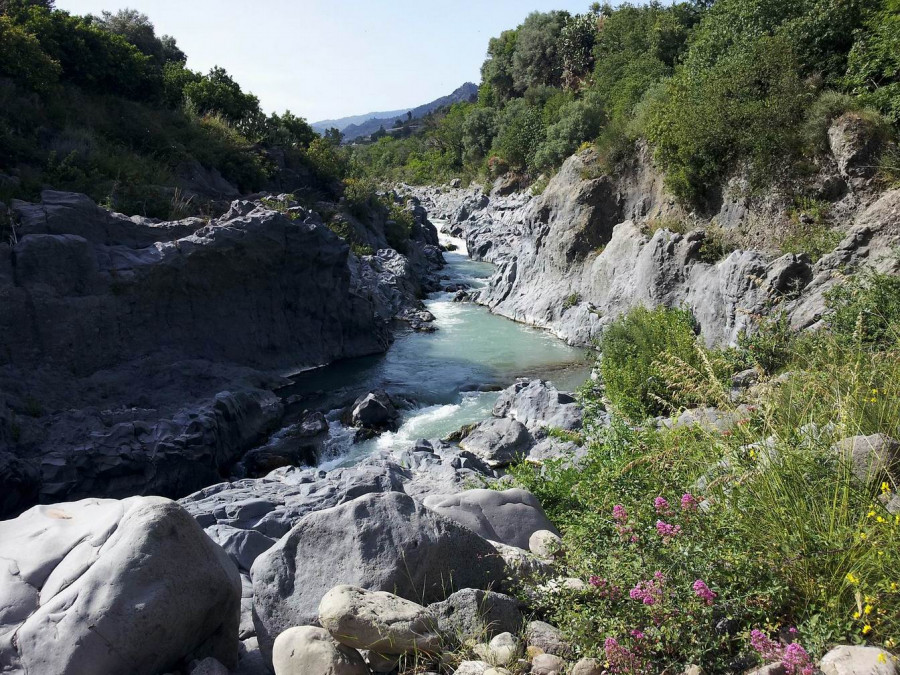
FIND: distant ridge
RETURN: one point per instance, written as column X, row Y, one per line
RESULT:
column 363, row 125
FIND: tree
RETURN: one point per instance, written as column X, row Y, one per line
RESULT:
column 218, row 93
column 496, row 72
column 333, row 136
column 537, row 60
column 576, row 47
column 22, row 58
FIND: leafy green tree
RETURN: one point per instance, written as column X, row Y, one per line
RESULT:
column 520, row 132
column 22, row 58
column 138, row 30
column 218, row 93
column 497, row 71
column 537, row 59
column 479, row 129
column 334, row 136
column 746, row 106
column 576, row 47
column 578, row 121
column 289, row 131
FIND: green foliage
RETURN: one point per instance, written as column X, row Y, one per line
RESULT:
column 760, row 526
column 218, row 93
column 637, row 348
column 873, row 69
column 578, row 120
column 866, row 310
column 536, row 59
column 521, row 130
column 743, row 107
column 22, row 58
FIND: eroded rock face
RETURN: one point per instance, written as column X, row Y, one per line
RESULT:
column 472, row 613
column 538, row 404
column 377, row 542
column 498, row 441
column 105, row 587
column 138, row 356
column 253, row 287
column 577, row 256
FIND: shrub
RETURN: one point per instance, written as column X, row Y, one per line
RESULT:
column 637, row 348
column 866, row 309
column 744, row 107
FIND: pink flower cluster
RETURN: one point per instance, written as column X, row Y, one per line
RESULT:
column 604, row 588
column 702, row 591
column 666, row 530
column 623, row 527
column 661, row 505
column 689, row 502
column 621, row 659
column 649, row 592
column 793, row 657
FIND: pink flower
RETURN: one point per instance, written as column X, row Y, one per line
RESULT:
column 649, row 592
column 688, row 502
column 621, row 659
column 637, row 635
column 661, row 505
column 701, row 590
column 596, row 581
column 620, row 514
column 793, row 657
column 667, row 531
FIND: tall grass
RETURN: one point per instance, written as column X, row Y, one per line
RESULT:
column 777, row 524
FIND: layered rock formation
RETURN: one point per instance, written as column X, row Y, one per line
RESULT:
column 140, row 357
column 585, row 250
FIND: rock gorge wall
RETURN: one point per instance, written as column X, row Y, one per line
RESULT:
column 141, row 357
column 581, row 253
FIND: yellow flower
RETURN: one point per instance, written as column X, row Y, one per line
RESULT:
column 885, row 487
column 863, row 536
column 880, row 519
column 856, row 615
column 852, row 578
column 881, row 658
column 868, row 609
column 894, row 586
column 871, row 514
column 866, row 629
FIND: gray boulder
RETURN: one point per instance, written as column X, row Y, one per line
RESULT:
column 548, row 638
column 305, row 650
column 472, row 613
column 136, row 575
column 374, row 411
column 538, row 404
column 378, row 621
column 547, row 664
column 858, row 660
column 379, row 542
column 509, row 517
column 870, row 457
column 499, row 442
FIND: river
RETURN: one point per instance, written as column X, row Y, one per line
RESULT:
column 446, row 376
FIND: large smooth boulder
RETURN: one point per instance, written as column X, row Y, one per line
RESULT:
column 499, row 442
column 307, row 650
column 105, row 587
column 473, row 613
column 379, row 621
column 548, row 639
column 380, row 542
column 509, row 517
column 858, row 660
column 870, row 457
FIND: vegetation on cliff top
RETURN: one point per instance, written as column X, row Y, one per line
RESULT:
column 757, row 539
column 713, row 86
column 104, row 106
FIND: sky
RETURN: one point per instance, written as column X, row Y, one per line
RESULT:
column 324, row 59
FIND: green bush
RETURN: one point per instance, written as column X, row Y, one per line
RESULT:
column 866, row 309
column 636, row 351
column 873, row 69
column 746, row 106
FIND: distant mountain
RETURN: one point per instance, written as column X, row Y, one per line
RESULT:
column 364, row 125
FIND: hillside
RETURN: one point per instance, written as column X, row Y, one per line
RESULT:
column 355, row 130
